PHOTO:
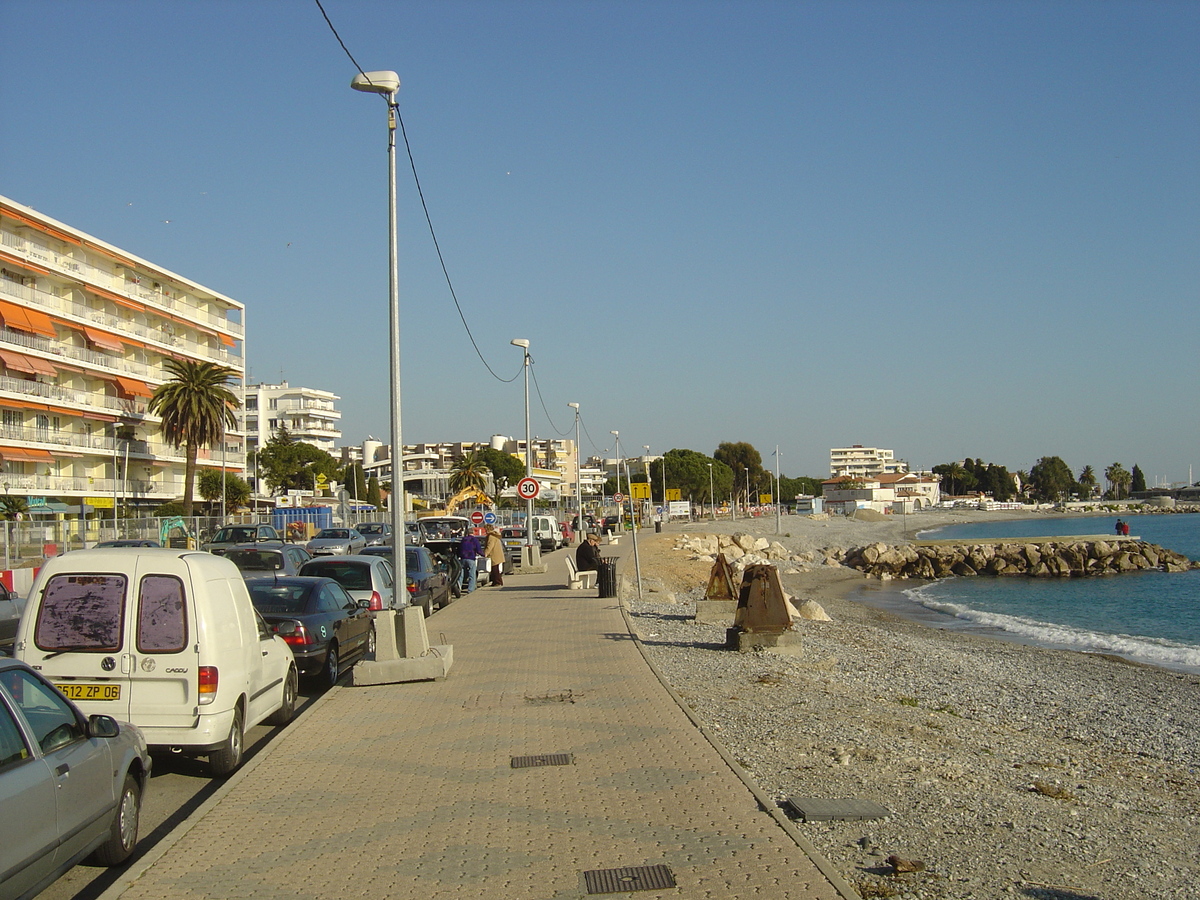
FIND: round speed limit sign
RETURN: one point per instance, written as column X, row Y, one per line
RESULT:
column 528, row 488
column 618, row 498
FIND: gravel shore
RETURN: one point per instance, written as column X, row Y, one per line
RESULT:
column 1009, row 770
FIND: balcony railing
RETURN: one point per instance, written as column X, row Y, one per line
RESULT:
column 45, row 256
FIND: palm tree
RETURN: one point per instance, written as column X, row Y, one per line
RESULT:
column 13, row 508
column 954, row 474
column 1118, row 477
column 196, row 407
column 468, row 471
column 1087, row 478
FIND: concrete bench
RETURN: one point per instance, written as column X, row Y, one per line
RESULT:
column 577, row 580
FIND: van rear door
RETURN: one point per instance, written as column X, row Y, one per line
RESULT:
column 163, row 664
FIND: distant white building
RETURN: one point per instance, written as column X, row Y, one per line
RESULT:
column 858, row 461
column 309, row 415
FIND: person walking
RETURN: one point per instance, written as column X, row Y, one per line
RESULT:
column 493, row 549
column 469, row 551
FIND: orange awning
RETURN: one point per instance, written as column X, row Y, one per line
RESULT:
column 15, row 316
column 22, row 454
column 100, row 339
column 40, row 322
column 227, row 340
column 17, row 362
column 133, row 387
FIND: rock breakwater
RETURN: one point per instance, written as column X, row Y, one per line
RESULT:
column 1040, row 559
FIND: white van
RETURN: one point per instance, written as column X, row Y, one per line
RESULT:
column 165, row 639
column 546, row 532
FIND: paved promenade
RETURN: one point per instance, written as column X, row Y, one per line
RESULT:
column 408, row 790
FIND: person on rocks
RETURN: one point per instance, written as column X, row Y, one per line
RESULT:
column 469, row 551
column 587, row 556
column 493, row 549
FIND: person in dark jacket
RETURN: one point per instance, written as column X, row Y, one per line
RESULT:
column 587, row 556
column 469, row 551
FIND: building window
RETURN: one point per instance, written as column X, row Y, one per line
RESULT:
column 13, row 418
column 251, row 404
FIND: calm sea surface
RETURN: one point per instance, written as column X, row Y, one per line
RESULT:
column 1151, row 617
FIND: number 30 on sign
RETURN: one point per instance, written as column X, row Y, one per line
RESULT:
column 528, row 488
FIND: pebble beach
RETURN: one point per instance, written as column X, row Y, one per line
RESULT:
column 1008, row 770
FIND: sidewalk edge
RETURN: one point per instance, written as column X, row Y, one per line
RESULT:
column 823, row 865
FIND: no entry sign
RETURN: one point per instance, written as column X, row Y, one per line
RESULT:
column 477, row 517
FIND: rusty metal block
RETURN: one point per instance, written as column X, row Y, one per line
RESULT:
column 720, row 580
column 761, row 606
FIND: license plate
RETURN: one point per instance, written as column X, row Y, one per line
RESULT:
column 75, row 691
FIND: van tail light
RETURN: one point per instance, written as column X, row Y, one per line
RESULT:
column 208, row 684
column 412, row 586
column 376, row 603
column 299, row 636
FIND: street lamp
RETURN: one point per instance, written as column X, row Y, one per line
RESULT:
column 712, row 501
column 528, row 559
column 621, row 505
column 387, row 84
column 578, row 474
column 746, row 469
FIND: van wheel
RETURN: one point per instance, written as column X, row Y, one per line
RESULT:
column 284, row 714
column 225, row 761
column 123, row 833
column 329, row 674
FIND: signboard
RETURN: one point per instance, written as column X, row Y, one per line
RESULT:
column 618, row 498
column 528, row 488
column 321, row 479
column 764, row 499
column 639, row 490
column 680, row 508
column 674, row 494
column 489, row 518
column 99, row 502
column 477, row 517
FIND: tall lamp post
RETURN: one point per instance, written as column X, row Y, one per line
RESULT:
column 387, row 84
column 578, row 476
column 528, row 557
column 746, row 469
column 712, row 501
column 621, row 505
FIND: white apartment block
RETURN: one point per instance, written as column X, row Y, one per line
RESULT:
column 308, row 414
column 863, row 462
column 86, row 329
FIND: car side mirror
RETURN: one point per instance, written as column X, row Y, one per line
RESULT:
column 364, row 604
column 103, row 727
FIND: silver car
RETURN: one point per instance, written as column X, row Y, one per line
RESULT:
column 336, row 542
column 363, row 577
column 76, row 781
column 378, row 534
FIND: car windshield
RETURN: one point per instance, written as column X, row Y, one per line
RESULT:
column 370, row 528
column 351, row 576
column 280, row 599
column 255, row 559
column 235, row 535
column 337, row 534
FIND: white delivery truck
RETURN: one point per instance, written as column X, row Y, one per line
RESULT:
column 546, row 532
column 165, row 639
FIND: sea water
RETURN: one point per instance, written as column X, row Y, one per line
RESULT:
column 1151, row 617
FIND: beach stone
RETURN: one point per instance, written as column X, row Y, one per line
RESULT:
column 813, row 611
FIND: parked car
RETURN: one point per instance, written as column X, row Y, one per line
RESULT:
column 72, row 785
column 513, row 540
column 165, row 639
column 10, row 616
column 325, row 627
column 336, row 542
column 428, row 581
column 232, row 535
column 546, row 532
column 444, row 528
column 129, row 542
column 256, row 560
column 568, row 534
column 412, row 534
column 367, row 578
column 377, row 534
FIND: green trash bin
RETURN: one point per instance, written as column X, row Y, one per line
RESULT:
column 606, row 576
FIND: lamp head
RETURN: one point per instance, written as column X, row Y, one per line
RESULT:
column 615, row 433
column 520, row 342
column 376, row 82
column 574, row 406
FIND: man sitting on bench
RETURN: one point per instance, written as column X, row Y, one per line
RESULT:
column 587, row 556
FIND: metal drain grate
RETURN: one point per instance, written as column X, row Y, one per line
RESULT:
column 542, row 759
column 820, row 809
column 638, row 878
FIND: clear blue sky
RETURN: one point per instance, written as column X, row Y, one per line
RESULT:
column 949, row 229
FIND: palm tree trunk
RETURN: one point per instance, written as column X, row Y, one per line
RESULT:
column 189, row 479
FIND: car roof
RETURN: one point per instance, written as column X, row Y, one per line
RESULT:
column 288, row 580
